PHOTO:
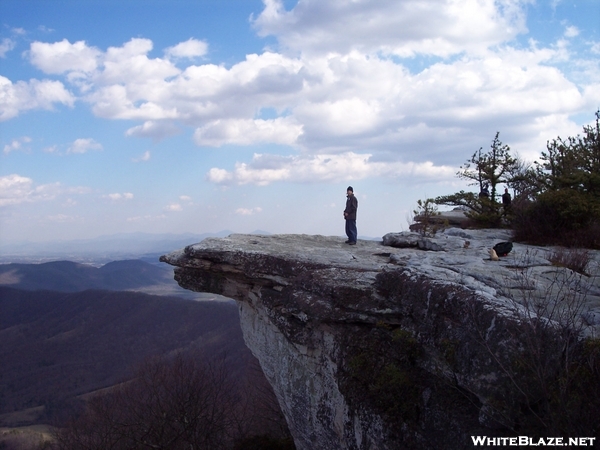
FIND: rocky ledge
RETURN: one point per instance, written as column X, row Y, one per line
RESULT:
column 403, row 343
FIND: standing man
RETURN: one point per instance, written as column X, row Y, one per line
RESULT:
column 350, row 216
column 506, row 201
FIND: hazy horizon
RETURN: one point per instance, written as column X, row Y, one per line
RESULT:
column 190, row 117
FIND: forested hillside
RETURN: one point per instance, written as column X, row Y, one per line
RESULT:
column 56, row 346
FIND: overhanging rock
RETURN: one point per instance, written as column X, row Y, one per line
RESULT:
column 372, row 346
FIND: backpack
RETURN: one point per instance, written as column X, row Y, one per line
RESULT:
column 503, row 248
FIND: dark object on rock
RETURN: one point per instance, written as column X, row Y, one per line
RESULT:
column 503, row 248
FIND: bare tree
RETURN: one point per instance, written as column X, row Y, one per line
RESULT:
column 187, row 401
column 177, row 403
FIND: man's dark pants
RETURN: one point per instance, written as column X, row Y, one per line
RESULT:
column 351, row 230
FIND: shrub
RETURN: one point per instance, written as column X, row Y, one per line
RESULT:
column 427, row 217
column 566, row 205
column 564, row 217
column 575, row 259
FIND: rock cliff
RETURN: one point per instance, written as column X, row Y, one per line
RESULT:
column 404, row 343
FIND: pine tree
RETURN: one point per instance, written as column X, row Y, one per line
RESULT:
column 485, row 170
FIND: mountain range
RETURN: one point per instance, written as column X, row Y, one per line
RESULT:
column 103, row 249
column 69, row 276
column 57, row 346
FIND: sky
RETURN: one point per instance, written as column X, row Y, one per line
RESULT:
column 175, row 116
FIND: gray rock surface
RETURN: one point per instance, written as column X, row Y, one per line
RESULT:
column 384, row 347
column 454, row 218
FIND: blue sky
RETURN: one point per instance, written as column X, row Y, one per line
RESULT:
column 198, row 116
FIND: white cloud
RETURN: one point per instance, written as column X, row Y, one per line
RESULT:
column 282, row 130
column 6, row 46
column 16, row 144
column 61, row 57
column 405, row 28
column 248, row 211
column 130, row 64
column 50, row 149
column 153, row 129
column 266, row 169
column 35, row 94
column 16, row 189
column 145, row 157
column 332, row 103
column 219, row 176
column 176, row 207
column 84, row 145
column 339, row 91
column 118, row 196
column 191, row 48
column 571, row 31
column 116, row 102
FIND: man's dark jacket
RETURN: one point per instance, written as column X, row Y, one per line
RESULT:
column 351, row 207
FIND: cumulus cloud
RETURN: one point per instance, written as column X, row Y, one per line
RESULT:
column 84, row 145
column 117, row 102
column 407, row 28
column 219, row 176
column 333, row 103
column 283, row 130
column 266, row 169
column 16, row 144
column 397, row 83
column 16, row 189
column 191, row 48
column 130, row 64
column 35, row 94
column 61, row 57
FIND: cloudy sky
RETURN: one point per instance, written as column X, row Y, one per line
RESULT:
column 171, row 116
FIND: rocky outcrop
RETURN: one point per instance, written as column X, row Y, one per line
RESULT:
column 453, row 218
column 384, row 347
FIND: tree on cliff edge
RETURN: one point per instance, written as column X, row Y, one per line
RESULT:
column 484, row 169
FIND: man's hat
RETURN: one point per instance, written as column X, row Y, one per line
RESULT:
column 350, row 189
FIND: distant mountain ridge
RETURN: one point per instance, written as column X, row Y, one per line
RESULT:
column 57, row 345
column 68, row 276
column 101, row 249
